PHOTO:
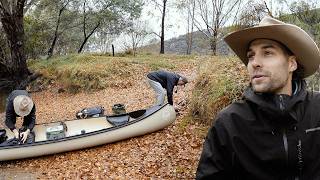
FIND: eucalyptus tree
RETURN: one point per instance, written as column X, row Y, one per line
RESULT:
column 14, row 73
column 50, row 22
column 113, row 15
column 308, row 13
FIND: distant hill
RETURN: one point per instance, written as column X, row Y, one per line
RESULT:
column 201, row 44
column 178, row 45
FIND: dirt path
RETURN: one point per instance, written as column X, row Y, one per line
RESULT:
column 167, row 154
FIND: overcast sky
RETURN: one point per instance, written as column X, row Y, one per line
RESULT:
column 176, row 21
column 175, row 25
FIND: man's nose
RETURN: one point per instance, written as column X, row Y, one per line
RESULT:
column 255, row 62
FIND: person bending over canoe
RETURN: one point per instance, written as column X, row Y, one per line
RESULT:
column 160, row 80
column 19, row 104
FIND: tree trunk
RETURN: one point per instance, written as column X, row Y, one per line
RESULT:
column 213, row 45
column 162, row 27
column 190, row 33
column 50, row 51
column 112, row 50
column 53, row 44
column 12, row 22
column 83, row 43
column 87, row 37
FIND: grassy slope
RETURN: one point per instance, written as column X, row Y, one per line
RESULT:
column 217, row 81
column 221, row 80
column 87, row 72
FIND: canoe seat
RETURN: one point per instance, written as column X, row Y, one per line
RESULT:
column 118, row 120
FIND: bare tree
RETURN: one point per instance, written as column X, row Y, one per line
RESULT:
column 187, row 7
column 190, row 24
column 162, row 5
column 212, row 16
column 136, row 35
column 252, row 13
column 103, row 40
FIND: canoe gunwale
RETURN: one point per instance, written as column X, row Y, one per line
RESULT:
column 86, row 134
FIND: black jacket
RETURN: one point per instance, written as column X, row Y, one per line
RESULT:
column 167, row 80
column 264, row 137
column 28, row 121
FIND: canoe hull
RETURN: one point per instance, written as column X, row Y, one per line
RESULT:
column 154, row 122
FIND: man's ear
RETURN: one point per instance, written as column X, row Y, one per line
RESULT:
column 293, row 65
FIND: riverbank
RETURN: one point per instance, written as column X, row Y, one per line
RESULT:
column 167, row 154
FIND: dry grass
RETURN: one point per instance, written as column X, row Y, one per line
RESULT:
column 221, row 80
column 87, row 72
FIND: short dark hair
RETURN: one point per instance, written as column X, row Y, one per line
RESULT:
column 298, row 74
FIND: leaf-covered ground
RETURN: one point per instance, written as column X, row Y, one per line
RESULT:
column 170, row 153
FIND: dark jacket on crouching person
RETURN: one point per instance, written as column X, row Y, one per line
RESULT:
column 265, row 136
column 167, row 80
column 11, row 116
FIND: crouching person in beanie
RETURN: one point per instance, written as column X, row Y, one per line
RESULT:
column 19, row 104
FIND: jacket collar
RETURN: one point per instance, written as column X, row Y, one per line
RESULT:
column 275, row 104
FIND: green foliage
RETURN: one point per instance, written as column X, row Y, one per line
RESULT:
column 221, row 81
column 37, row 37
column 41, row 21
column 306, row 15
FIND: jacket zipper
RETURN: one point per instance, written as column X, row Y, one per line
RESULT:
column 281, row 103
column 285, row 143
column 300, row 161
column 284, row 134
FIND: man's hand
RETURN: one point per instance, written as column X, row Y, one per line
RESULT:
column 24, row 135
column 16, row 133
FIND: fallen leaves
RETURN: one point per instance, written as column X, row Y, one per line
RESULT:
column 167, row 154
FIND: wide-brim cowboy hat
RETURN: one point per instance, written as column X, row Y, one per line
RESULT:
column 22, row 105
column 296, row 39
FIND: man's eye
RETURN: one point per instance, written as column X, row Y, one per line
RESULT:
column 267, row 52
column 250, row 56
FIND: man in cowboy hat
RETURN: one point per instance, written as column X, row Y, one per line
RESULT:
column 274, row 132
column 164, row 80
column 20, row 104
